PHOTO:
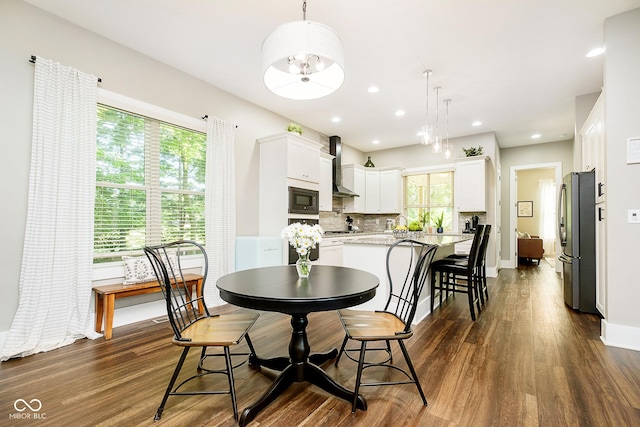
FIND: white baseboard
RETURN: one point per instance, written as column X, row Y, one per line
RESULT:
column 620, row 336
column 422, row 311
column 139, row 312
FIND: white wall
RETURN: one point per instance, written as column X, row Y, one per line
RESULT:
column 622, row 121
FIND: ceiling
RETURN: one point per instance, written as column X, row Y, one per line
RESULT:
column 516, row 66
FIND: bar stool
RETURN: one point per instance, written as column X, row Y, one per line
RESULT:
column 481, row 271
column 458, row 275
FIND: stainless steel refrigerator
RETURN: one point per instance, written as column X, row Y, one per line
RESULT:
column 577, row 232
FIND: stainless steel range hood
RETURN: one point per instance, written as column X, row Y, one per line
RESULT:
column 335, row 149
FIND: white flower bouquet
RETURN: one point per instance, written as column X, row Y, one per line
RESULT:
column 303, row 237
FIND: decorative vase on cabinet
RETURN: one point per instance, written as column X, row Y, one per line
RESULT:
column 369, row 163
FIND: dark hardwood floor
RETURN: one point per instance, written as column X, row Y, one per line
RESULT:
column 527, row 361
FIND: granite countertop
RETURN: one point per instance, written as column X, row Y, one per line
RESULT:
column 389, row 239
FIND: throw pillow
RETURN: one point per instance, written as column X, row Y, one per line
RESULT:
column 139, row 270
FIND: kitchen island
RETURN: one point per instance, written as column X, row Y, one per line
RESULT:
column 369, row 252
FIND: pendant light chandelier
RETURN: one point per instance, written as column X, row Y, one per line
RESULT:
column 303, row 59
column 427, row 130
column 447, row 146
column 437, row 144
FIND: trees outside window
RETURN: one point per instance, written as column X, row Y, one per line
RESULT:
column 149, row 183
column 427, row 196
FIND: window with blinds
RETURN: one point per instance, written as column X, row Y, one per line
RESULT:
column 427, row 196
column 149, row 183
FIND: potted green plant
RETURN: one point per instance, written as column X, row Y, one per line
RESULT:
column 473, row 151
column 437, row 221
column 295, row 128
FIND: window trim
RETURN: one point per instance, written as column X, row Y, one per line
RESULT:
column 112, row 271
column 142, row 108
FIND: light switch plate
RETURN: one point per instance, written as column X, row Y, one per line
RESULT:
column 633, row 216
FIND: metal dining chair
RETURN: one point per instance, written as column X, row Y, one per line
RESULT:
column 408, row 264
column 192, row 323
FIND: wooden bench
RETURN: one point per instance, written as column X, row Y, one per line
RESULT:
column 106, row 296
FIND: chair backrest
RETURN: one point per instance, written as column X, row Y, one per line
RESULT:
column 474, row 252
column 170, row 262
column 482, row 252
column 408, row 264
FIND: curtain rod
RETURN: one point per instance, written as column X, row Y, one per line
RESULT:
column 33, row 61
column 206, row 116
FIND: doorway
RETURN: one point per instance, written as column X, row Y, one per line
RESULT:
column 536, row 215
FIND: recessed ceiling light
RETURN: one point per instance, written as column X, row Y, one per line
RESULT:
column 595, row 52
column 375, row 142
column 476, row 123
column 400, row 113
column 335, row 119
column 535, row 136
column 373, row 89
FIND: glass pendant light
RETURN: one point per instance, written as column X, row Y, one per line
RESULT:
column 447, row 146
column 427, row 131
column 437, row 144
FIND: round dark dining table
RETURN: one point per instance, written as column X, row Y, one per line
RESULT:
column 279, row 289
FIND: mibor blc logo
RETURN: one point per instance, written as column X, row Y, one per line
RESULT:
column 27, row 410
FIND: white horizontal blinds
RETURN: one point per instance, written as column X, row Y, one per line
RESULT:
column 55, row 277
column 431, row 194
column 121, row 194
column 150, row 180
column 183, row 155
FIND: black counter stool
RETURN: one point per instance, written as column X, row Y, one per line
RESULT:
column 458, row 275
column 481, row 271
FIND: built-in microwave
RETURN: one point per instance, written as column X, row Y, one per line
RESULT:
column 303, row 201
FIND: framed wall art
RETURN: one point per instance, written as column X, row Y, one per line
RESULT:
column 525, row 208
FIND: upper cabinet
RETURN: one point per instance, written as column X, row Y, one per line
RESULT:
column 326, row 182
column 380, row 189
column 353, row 177
column 301, row 155
column 303, row 160
column 471, row 185
column 593, row 146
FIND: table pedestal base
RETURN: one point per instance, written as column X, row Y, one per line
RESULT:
column 299, row 367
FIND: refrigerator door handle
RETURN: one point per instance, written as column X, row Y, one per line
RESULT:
column 600, row 213
column 565, row 258
column 562, row 233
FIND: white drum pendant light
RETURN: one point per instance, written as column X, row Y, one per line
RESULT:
column 303, row 60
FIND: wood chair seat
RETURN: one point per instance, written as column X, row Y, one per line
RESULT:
column 222, row 330
column 373, row 325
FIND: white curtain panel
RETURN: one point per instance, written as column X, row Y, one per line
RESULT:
column 55, row 278
column 220, row 204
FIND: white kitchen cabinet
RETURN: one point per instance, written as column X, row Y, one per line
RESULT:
column 391, row 191
column 303, row 160
column 330, row 252
column 326, row 182
column 471, row 185
column 286, row 160
column 380, row 189
column 593, row 146
column 372, row 191
column 353, row 177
